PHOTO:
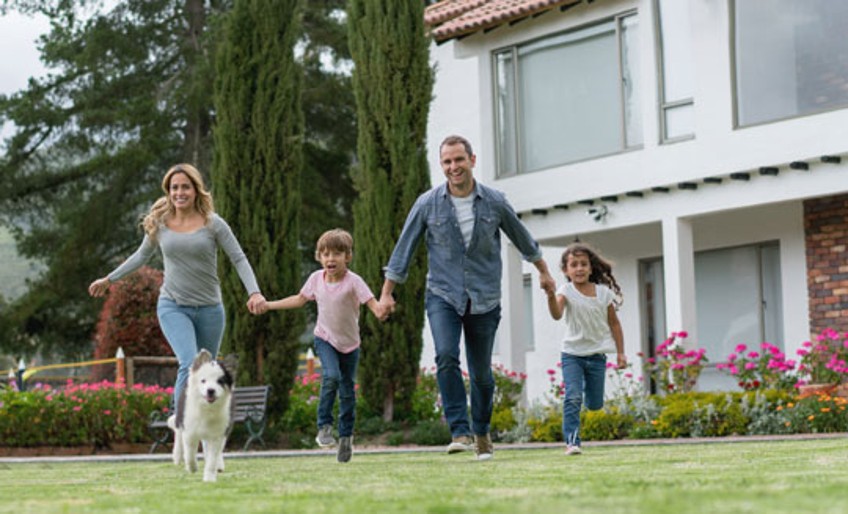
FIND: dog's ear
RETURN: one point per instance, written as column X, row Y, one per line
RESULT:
column 226, row 379
column 203, row 357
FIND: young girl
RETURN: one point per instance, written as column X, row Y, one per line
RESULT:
column 339, row 292
column 589, row 300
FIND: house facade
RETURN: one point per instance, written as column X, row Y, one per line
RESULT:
column 700, row 145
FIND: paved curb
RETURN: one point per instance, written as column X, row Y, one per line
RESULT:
column 266, row 454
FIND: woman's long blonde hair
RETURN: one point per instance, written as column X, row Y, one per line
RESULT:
column 163, row 208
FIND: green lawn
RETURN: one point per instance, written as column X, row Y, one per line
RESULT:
column 758, row 477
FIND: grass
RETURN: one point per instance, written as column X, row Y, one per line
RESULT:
column 774, row 477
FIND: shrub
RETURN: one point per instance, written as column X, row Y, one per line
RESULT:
column 820, row 413
column 128, row 320
column 604, row 425
column 824, row 362
column 676, row 369
column 766, row 368
column 431, row 433
column 98, row 414
column 547, row 428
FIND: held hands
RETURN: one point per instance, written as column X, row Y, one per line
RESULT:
column 386, row 306
column 99, row 287
column 547, row 283
column 257, row 304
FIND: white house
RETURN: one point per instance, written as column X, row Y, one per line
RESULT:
column 701, row 145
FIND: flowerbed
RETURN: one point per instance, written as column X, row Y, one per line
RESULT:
column 97, row 415
column 106, row 414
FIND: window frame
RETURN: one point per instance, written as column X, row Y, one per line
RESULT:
column 664, row 104
column 515, row 106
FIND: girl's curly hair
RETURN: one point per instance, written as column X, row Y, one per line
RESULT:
column 601, row 268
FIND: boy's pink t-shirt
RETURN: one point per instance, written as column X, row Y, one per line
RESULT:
column 338, row 308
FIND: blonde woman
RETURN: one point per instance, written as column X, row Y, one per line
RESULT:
column 185, row 228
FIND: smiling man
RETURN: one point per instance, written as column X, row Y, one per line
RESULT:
column 462, row 221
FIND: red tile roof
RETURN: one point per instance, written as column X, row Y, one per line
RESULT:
column 449, row 19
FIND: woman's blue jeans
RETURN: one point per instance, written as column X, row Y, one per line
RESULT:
column 446, row 326
column 582, row 376
column 338, row 375
column 188, row 330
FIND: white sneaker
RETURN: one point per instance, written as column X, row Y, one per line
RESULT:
column 461, row 443
column 573, row 450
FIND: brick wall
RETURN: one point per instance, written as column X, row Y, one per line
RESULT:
column 826, row 233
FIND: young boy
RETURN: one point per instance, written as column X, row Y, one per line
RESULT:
column 339, row 293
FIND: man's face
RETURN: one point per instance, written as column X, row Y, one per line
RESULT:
column 458, row 166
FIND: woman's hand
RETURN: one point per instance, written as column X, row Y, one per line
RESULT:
column 257, row 304
column 99, row 287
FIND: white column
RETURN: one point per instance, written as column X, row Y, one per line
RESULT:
column 510, row 343
column 679, row 275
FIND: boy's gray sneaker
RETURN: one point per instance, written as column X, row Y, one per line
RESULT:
column 325, row 437
column 345, row 449
column 483, row 447
column 462, row 443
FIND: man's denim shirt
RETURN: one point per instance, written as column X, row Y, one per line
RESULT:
column 458, row 274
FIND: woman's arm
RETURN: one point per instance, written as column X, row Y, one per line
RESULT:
column 133, row 262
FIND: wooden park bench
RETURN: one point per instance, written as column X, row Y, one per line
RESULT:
column 250, row 405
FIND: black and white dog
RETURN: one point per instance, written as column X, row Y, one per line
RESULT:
column 203, row 415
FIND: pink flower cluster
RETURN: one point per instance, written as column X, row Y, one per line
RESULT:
column 754, row 369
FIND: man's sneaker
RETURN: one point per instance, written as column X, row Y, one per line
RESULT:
column 462, row 443
column 325, row 437
column 573, row 450
column 345, row 449
column 483, row 447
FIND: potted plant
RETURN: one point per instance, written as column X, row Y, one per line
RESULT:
column 824, row 364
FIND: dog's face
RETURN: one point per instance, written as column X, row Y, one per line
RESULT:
column 208, row 378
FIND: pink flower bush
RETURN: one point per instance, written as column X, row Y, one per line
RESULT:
column 824, row 362
column 676, row 368
column 765, row 369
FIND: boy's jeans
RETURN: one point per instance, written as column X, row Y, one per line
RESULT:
column 582, row 375
column 338, row 374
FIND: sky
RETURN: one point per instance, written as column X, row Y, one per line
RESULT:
column 18, row 53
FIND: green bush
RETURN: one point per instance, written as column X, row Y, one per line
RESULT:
column 431, row 433
column 604, row 425
column 98, row 414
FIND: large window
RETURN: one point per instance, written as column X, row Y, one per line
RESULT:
column 791, row 58
column 677, row 76
column 738, row 300
column 568, row 97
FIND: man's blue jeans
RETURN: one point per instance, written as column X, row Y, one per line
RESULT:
column 188, row 330
column 447, row 325
column 582, row 376
column 338, row 375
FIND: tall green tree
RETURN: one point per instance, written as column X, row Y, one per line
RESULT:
column 330, row 130
column 392, row 83
column 124, row 99
column 258, row 157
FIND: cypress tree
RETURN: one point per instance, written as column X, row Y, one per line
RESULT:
column 393, row 86
column 256, row 175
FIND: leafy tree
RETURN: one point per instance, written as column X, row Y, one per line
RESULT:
column 256, row 174
column 126, row 97
column 393, row 85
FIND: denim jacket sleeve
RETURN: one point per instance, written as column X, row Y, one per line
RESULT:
column 517, row 232
column 413, row 230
